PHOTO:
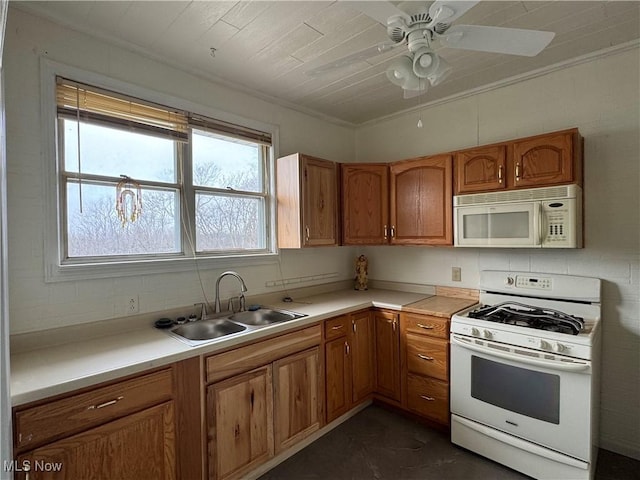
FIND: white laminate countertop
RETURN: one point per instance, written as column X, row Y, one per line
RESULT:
column 53, row 370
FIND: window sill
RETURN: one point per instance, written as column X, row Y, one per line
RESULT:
column 89, row 271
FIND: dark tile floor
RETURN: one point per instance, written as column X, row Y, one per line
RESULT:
column 380, row 444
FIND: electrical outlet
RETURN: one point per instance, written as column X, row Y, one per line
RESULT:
column 132, row 306
column 456, row 274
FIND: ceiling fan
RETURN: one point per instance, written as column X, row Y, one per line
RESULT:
column 422, row 66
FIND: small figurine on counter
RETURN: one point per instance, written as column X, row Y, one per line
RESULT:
column 361, row 273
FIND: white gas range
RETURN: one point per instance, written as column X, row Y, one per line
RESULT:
column 525, row 373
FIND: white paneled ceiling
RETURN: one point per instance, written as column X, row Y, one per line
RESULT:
column 269, row 46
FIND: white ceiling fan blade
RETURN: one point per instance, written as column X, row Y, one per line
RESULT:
column 512, row 41
column 442, row 11
column 356, row 57
column 379, row 11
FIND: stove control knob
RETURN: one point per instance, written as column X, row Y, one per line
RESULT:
column 544, row 345
column 487, row 334
column 510, row 281
column 558, row 347
column 475, row 332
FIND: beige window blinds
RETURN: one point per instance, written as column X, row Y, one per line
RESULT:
column 78, row 101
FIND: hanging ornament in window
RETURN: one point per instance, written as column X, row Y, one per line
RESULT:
column 128, row 200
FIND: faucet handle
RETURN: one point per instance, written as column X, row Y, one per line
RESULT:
column 203, row 309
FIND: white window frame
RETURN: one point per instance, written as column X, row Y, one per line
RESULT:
column 55, row 269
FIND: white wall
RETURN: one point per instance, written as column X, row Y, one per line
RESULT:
column 36, row 305
column 601, row 98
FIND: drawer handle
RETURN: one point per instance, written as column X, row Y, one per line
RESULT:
column 337, row 327
column 426, row 327
column 425, row 357
column 105, row 404
column 428, row 399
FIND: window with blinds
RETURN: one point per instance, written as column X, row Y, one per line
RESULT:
column 203, row 183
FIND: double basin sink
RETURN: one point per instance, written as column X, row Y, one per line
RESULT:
column 208, row 330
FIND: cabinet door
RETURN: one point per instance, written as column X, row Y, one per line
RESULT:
column 338, row 384
column 297, row 403
column 365, row 204
column 362, row 356
column 138, row 446
column 320, row 199
column 481, row 169
column 421, row 201
column 544, row 160
column 240, row 415
column 387, row 354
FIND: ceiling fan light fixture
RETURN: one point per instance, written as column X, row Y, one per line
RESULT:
column 400, row 73
column 425, row 62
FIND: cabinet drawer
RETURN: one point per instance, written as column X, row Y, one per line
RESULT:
column 336, row 327
column 428, row 397
column 428, row 356
column 426, row 325
column 254, row 355
column 79, row 412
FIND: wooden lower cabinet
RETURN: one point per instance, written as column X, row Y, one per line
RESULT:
column 137, row 447
column 425, row 341
column 350, row 362
column 297, row 397
column 387, row 347
column 362, row 356
column 241, row 423
column 130, row 429
column 253, row 415
column 428, row 397
column 338, row 377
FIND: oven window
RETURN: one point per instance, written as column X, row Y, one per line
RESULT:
column 520, row 390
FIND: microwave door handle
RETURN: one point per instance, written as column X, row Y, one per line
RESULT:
column 538, row 228
column 543, row 225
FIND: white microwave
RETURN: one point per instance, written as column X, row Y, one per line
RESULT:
column 546, row 217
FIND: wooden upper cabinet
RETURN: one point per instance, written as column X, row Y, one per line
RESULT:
column 544, row 160
column 365, row 204
column 481, row 169
column 307, row 196
column 421, row 201
column 550, row 159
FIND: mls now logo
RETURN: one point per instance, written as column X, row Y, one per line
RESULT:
column 28, row 466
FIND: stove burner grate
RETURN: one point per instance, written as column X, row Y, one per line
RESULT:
column 520, row 314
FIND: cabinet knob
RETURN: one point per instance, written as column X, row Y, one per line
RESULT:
column 426, row 327
column 517, row 172
column 384, row 229
column 428, row 399
column 393, row 231
column 346, row 348
column 500, row 174
column 306, row 234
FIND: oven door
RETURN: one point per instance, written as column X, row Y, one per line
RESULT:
column 523, row 392
column 512, row 225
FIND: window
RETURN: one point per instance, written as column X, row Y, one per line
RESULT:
column 204, row 184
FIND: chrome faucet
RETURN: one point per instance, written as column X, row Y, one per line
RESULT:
column 243, row 286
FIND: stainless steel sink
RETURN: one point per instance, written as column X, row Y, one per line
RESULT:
column 208, row 329
column 264, row 316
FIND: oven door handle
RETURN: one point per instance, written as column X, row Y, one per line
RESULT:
column 570, row 367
